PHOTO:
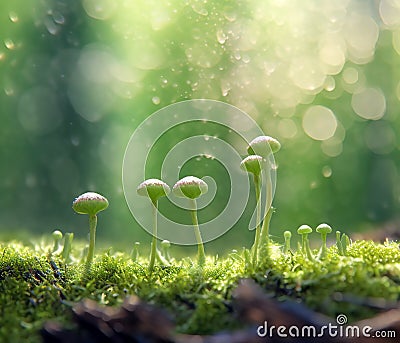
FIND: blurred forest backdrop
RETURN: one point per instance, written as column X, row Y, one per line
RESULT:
column 77, row 77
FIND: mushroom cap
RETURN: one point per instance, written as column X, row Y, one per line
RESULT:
column 89, row 203
column 287, row 234
column 303, row 229
column 252, row 164
column 165, row 243
column 323, row 228
column 263, row 146
column 57, row 234
column 153, row 188
column 190, row 187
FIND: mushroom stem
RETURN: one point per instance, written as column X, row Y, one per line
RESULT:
column 286, row 248
column 269, row 210
column 339, row 243
column 165, row 245
column 265, row 227
column 324, row 230
column 258, row 219
column 153, row 250
column 324, row 248
column 308, row 250
column 304, row 230
column 304, row 242
column 201, row 256
column 135, row 252
column 92, row 238
column 69, row 236
column 57, row 237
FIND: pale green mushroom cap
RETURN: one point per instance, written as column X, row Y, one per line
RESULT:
column 190, row 187
column 287, row 234
column 166, row 243
column 90, row 203
column 153, row 188
column 263, row 146
column 252, row 164
column 323, row 228
column 304, row 229
column 57, row 234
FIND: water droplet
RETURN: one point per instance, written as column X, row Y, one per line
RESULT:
column 206, row 138
column 9, row 91
column 155, row 100
column 51, row 26
column 8, row 42
column 221, row 37
column 326, row 171
column 225, row 90
column 58, row 18
column 230, row 16
column 13, row 17
column 246, row 59
column 200, row 10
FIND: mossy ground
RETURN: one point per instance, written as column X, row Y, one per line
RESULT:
column 36, row 285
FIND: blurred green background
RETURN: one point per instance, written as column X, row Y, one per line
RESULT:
column 77, row 77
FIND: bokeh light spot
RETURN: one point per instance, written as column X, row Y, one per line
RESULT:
column 287, row 128
column 332, row 147
column 146, row 54
column 350, row 75
column 307, row 74
column 361, row 33
column 332, row 57
column 370, row 103
column 95, row 63
column 389, row 11
column 99, row 9
column 396, row 41
column 380, row 137
column 319, row 122
column 38, row 110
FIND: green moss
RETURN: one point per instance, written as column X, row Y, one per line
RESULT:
column 36, row 286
